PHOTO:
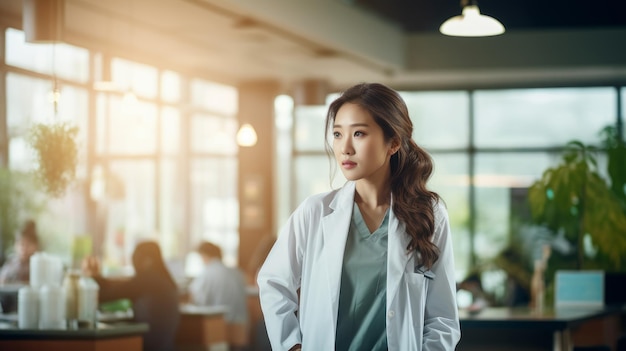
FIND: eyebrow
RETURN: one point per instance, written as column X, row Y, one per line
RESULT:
column 352, row 125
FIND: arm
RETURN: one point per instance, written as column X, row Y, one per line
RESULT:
column 441, row 319
column 116, row 289
column 111, row 289
column 279, row 280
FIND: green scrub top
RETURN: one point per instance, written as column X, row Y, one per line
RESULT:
column 361, row 323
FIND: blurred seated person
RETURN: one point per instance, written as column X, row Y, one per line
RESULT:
column 219, row 285
column 17, row 268
column 480, row 299
column 151, row 290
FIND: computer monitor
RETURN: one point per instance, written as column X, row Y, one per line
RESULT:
column 584, row 288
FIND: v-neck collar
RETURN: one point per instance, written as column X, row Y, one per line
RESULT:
column 361, row 226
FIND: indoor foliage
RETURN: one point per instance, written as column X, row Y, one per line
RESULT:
column 18, row 201
column 57, row 155
column 575, row 198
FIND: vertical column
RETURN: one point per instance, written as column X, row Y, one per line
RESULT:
column 256, row 165
column 91, row 205
column 185, row 166
column 43, row 20
column 4, row 134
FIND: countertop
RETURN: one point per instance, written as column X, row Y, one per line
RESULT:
column 550, row 318
column 9, row 330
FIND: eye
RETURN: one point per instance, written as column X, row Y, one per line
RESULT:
column 358, row 133
column 336, row 135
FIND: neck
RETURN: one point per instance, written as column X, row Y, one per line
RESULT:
column 372, row 195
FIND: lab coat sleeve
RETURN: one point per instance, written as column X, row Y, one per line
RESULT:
column 441, row 319
column 279, row 281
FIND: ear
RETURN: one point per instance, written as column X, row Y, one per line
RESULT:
column 395, row 146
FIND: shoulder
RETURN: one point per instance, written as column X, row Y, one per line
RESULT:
column 322, row 198
column 440, row 210
column 320, row 203
column 442, row 225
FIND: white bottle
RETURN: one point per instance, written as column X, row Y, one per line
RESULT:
column 38, row 264
column 51, row 307
column 88, row 291
column 28, row 308
column 45, row 269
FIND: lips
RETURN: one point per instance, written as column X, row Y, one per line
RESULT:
column 348, row 164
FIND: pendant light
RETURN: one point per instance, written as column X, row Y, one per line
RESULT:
column 471, row 23
column 246, row 136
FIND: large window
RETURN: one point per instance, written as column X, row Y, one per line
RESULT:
column 542, row 117
column 158, row 158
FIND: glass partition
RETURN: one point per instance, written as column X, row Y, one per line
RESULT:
column 440, row 119
column 542, row 117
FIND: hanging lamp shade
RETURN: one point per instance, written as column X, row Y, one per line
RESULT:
column 43, row 20
column 471, row 23
column 246, row 136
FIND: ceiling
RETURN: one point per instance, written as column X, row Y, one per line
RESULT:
column 347, row 41
column 419, row 16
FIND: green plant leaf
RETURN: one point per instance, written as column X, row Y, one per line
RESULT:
column 572, row 196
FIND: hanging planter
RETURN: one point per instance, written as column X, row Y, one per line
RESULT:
column 56, row 151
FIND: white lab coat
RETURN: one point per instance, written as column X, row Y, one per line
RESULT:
column 421, row 307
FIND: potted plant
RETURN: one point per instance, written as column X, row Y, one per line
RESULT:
column 575, row 198
column 56, row 151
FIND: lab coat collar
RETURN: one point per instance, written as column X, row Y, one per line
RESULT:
column 335, row 228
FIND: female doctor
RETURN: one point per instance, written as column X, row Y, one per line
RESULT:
column 368, row 266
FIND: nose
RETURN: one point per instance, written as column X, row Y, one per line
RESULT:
column 346, row 147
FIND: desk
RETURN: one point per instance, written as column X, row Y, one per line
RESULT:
column 520, row 329
column 202, row 328
column 118, row 336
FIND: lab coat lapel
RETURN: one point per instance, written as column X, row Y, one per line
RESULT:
column 335, row 228
column 397, row 257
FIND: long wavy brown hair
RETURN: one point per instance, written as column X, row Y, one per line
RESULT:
column 411, row 166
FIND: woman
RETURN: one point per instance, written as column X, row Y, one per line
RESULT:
column 17, row 268
column 368, row 266
column 152, row 291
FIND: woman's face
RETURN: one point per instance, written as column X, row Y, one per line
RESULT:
column 359, row 145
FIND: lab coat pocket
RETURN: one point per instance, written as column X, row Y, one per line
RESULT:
column 418, row 279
